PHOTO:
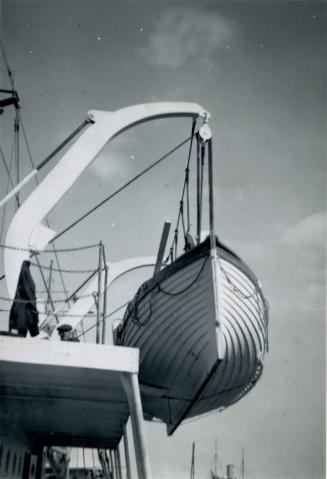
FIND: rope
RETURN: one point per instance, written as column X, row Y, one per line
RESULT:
column 122, row 188
column 262, row 310
column 187, row 176
column 180, row 216
column 103, row 319
column 203, row 152
column 133, row 316
column 234, row 288
column 168, row 293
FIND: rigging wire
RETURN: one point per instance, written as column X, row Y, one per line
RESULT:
column 123, row 187
column 18, row 122
column 9, row 72
column 16, row 130
column 8, row 181
column 47, row 221
column 37, row 260
column 103, row 319
column 7, row 170
column 49, row 299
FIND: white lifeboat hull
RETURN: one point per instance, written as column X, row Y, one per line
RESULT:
column 201, row 326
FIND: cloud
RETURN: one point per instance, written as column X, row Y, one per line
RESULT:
column 110, row 166
column 115, row 162
column 291, row 265
column 305, row 241
column 183, row 34
column 309, row 230
column 313, row 297
column 301, row 255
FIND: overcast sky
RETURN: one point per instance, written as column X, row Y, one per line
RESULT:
column 259, row 68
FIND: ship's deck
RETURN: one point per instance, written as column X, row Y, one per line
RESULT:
column 64, row 393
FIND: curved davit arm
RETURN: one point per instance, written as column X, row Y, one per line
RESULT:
column 26, row 230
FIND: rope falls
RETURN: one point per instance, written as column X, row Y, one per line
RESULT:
column 183, row 223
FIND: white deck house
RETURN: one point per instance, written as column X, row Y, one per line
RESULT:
column 71, row 394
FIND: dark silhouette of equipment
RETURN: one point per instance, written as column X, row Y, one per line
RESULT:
column 12, row 100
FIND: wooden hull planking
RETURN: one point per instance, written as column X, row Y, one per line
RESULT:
column 190, row 364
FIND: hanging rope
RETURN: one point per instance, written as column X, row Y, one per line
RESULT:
column 133, row 307
column 187, row 178
column 232, row 286
column 134, row 316
column 197, row 277
column 180, row 217
column 200, row 161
